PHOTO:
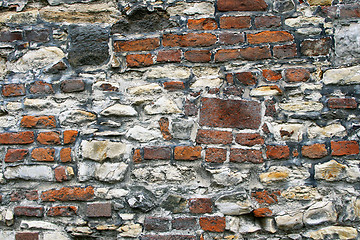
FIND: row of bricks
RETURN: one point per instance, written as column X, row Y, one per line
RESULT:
column 218, row 155
column 45, row 138
column 38, row 155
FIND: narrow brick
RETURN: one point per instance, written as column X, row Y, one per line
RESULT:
column 187, row 153
column 342, row 103
column 247, row 78
column 241, row 5
column 350, row 11
column 37, row 35
column 189, row 40
column 72, row 85
column 48, row 138
column 27, row 236
column 262, row 212
column 237, row 22
column 68, row 194
column 342, row 148
column 157, row 153
column 184, row 223
column 157, row 224
column 40, row 87
column 267, row 22
column 174, row 85
column 215, row 155
column 65, row 155
column 213, row 137
column 15, row 155
column 202, row 24
column 62, row 211
column 255, row 53
column 38, row 122
column 139, row 60
column 10, row 36
column 200, row 205
column 297, row 75
column 19, row 195
column 60, row 173
column 13, row 90
column 169, row 56
column 212, row 224
column 164, row 128
column 277, row 152
column 168, row 237
column 43, row 154
column 137, row 45
column 285, row 51
column 229, row 38
column 198, row 56
column 223, row 55
column 98, row 210
column 249, row 139
column 233, row 91
column 70, row 136
column 316, row 150
column 26, row 211
column 238, row 155
column 271, row 75
column 316, row 47
column 270, row 37
column 17, row 138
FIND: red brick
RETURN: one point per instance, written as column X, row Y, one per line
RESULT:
column 271, row 75
column 237, row 22
column 72, row 85
column 255, row 53
column 198, row 56
column 342, row 148
column 157, row 224
column 316, row 47
column 137, row 45
column 38, row 35
column 267, row 22
column 13, row 90
column 233, row 90
column 262, row 212
column 224, row 55
column 14, row 155
column 215, row 155
column 350, row 11
column 189, row 40
column 238, row 155
column 70, row 136
column 38, row 122
column 65, row 155
column 202, row 24
column 169, row 56
column 9, row 36
column 48, row 138
column 297, row 75
column 157, row 153
column 31, row 195
column 228, row 38
column 68, row 194
column 285, row 51
column 241, row 5
column 346, row 103
column 329, row 11
column 230, row 113
column 62, row 211
column 43, row 154
column 270, row 109
column 17, row 138
column 174, row 85
column 28, row 211
column 316, row 150
column 137, row 158
column 246, row 78
column 212, row 224
column 27, row 236
column 200, row 205
column 269, row 37
column 98, row 209
column 167, row 237
column 277, row 152
column 266, row 197
column 213, row 137
column 249, row 139
column 61, row 174
column 184, row 223
column 40, row 87
column 187, row 153
column 139, row 60
column 164, row 128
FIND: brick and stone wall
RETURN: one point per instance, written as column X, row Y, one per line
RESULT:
column 179, row 120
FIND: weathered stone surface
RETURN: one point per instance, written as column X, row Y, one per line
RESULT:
column 200, row 8
column 234, row 204
column 345, row 40
column 119, row 110
column 141, row 199
column 304, row 21
column 266, row 91
column 320, row 2
column 158, row 174
column 283, row 6
column 111, row 172
column 275, row 174
column 142, row 134
column 301, row 193
column 289, row 222
column 341, row 232
column 321, row 212
column 27, row 17
column 55, row 235
column 147, row 89
column 169, row 71
column 102, row 150
column 76, row 117
column 350, row 75
column 130, row 230
column 206, row 82
column 226, row 176
column 44, row 173
column 301, row 106
column 330, row 171
column 242, row 224
column 30, row 224
column 327, row 131
column 163, row 105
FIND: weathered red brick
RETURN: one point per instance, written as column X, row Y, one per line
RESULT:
column 245, row 155
column 139, row 60
column 40, row 87
column 184, row 223
column 341, row 148
column 249, row 139
column 189, row 40
column 10, row 36
column 167, row 237
column 43, row 154
column 241, row 5
column 72, row 85
column 137, row 158
column 246, row 78
column 270, row 37
column 187, row 153
column 200, row 205
column 27, row 236
column 277, row 152
column 267, row 22
column 27, row 211
column 37, row 35
column 14, row 155
column 215, row 155
column 233, row 91
column 198, row 55
column 350, row 11
column 316, row 150
column 174, row 85
column 229, row 38
column 223, row 55
column 316, row 47
column 60, row 174
column 108, row 87
column 285, row 51
column 65, row 155
column 68, row 194
column 297, row 75
column 262, row 212
column 270, row 110
column 230, row 113
column 346, row 103
column 169, row 56
column 213, row 137
column 212, row 224
column 98, row 209
column 31, row 195
column 62, row 211
column 158, row 224
column 157, row 153
column 202, row 24
column 266, row 196
column 38, row 122
column 236, row 22
column 48, row 138
column 70, row 136
column 17, row 138
column 164, row 128
column 271, row 75
column 137, row 45
column 13, row 90
column 255, row 53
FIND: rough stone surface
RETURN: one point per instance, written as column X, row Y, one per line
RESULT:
column 102, row 150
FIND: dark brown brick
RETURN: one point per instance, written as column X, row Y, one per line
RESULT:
column 98, row 210
column 40, row 87
column 241, row 5
column 228, row 38
column 189, row 40
column 157, row 224
column 70, row 86
column 62, row 211
column 213, row 137
column 61, row 174
column 169, row 56
column 285, row 51
column 224, row 55
column 198, row 56
column 14, row 155
column 245, row 155
column 27, row 236
column 26, row 211
column 31, row 195
column 342, row 103
column 13, row 90
column 297, row 75
column 237, row 22
column 267, row 22
column 184, row 223
column 37, row 35
column 350, row 11
column 246, row 78
column 255, row 53
column 233, row 91
column 174, row 85
column 215, row 155
column 10, row 36
column 316, row 47
column 167, row 237
column 200, row 205
column 157, row 153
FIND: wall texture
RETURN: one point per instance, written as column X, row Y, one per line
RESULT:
column 179, row 120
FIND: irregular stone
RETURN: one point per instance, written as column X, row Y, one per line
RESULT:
column 2, row 68
column 152, row 88
column 101, row 150
column 130, row 230
column 182, row 129
column 174, row 203
column 7, row 234
column 206, row 82
column 328, row 131
column 234, row 204
column 142, row 134
column 156, row 174
column 268, row 224
column 111, row 172
column 162, row 106
column 141, row 199
column 320, row 2
column 242, row 224
column 346, row 44
column 330, row 171
column 301, row 193
column 55, row 235
column 199, row 8
column 302, row 106
column 119, row 110
column 36, row 172
column 169, row 71
column 304, row 21
column 38, row 103
column 340, row 232
column 76, row 117
column 265, row 91
column 226, row 176
column 58, row 2
column 288, row 131
column 321, row 212
column 289, row 222
column 343, row 76
column 275, row 174
column 283, row 6
column 38, row 225
column 27, row 17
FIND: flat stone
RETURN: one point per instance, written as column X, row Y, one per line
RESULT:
column 304, row 21
column 347, row 45
column 288, row 222
column 301, row 193
column 151, row 88
column 58, row 2
column 38, row 103
column 320, row 2
column 234, row 204
column 38, row 225
column 330, row 171
column 200, row 8
column 275, row 174
column 27, row 17
column 142, row 134
column 226, row 176
column 162, row 106
column 37, row 172
column 119, row 110
column 169, row 72
column 332, row 130
column 288, row 131
column 111, row 172
column 302, row 106
column 55, row 235
column 101, row 150
column 130, row 230
column 206, row 82
column 341, row 232
column 265, row 91
column 343, row 76
column 321, row 212
column 76, row 117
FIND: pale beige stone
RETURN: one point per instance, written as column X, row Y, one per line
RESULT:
column 169, row 71
column 275, row 174
column 287, row 222
column 331, row 130
column 304, row 21
column 298, row 106
column 320, row 2
column 301, row 193
column 152, row 88
column 130, row 230
column 183, row 8
column 101, row 150
column 27, row 17
column 206, row 82
column 142, row 134
column 350, row 75
column 163, row 105
column 265, row 91
column 119, row 110
column 321, row 212
column 344, row 233
column 111, row 172
column 288, row 131
column 330, row 171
